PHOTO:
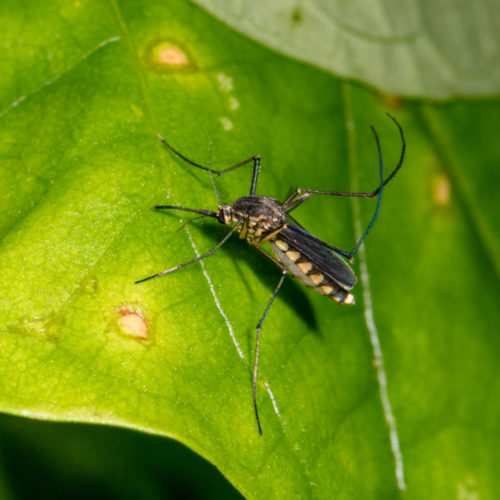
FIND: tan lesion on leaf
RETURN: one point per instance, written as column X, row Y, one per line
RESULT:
column 132, row 323
column 441, row 190
column 166, row 55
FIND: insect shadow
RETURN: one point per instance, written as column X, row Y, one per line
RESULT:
column 262, row 219
column 293, row 295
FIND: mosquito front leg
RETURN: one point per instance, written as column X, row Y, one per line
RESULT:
column 180, row 266
column 255, row 159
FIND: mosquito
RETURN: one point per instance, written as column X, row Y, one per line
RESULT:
column 260, row 219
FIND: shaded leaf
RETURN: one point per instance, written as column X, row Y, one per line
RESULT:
column 426, row 49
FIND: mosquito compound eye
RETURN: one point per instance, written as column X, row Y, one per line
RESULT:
column 228, row 213
column 225, row 214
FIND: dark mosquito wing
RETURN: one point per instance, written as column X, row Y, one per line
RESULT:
column 326, row 260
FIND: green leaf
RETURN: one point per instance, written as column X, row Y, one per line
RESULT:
column 400, row 391
column 426, row 48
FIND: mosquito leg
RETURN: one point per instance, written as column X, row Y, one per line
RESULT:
column 270, row 257
column 180, row 266
column 257, row 340
column 303, row 194
column 353, row 252
column 292, row 201
column 255, row 159
column 379, row 199
column 207, row 213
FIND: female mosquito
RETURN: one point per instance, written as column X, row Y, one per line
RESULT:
column 261, row 219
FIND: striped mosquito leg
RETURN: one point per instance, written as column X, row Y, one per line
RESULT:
column 257, row 340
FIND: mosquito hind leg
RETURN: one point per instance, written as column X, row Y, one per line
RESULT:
column 379, row 191
column 276, row 262
column 301, row 195
column 379, row 199
column 257, row 340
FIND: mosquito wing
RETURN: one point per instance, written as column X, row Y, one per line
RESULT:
column 326, row 260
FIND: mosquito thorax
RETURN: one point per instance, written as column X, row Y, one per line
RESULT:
column 262, row 215
column 261, row 208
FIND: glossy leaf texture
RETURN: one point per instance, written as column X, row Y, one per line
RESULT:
column 397, row 396
column 411, row 48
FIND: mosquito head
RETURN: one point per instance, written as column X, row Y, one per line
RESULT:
column 224, row 214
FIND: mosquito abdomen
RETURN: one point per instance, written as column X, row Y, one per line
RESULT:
column 309, row 274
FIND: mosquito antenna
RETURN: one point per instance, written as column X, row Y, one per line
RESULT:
column 191, row 219
column 219, row 203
